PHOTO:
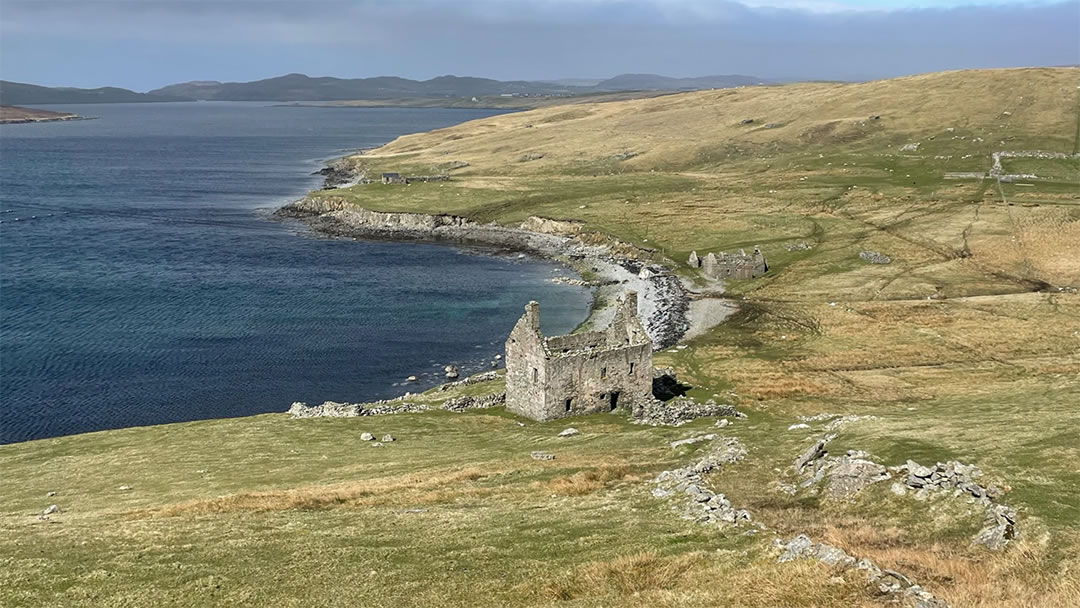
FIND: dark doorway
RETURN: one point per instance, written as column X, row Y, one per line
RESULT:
column 614, row 400
column 569, row 404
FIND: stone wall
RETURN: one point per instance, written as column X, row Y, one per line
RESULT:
column 588, row 380
column 526, row 366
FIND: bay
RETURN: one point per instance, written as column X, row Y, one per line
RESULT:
column 152, row 287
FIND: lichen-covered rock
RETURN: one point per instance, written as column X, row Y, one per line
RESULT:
column 1000, row 528
column 813, row 453
column 849, row 475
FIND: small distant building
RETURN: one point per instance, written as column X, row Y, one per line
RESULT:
column 585, row 373
column 393, row 178
column 738, row 265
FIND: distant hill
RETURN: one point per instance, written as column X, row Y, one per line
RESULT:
column 18, row 93
column 654, row 82
column 298, row 87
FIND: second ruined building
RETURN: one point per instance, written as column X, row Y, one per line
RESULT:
column 738, row 265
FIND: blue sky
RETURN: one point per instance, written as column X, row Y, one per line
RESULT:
column 143, row 44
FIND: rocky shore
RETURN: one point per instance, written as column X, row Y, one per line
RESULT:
column 663, row 301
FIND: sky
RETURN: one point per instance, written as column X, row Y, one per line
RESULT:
column 144, row 44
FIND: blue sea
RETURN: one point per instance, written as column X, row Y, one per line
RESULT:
column 145, row 283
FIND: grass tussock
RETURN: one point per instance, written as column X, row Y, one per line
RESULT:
column 354, row 494
column 623, row 576
column 587, row 482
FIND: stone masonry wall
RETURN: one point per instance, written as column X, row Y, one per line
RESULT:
column 589, row 379
column 526, row 366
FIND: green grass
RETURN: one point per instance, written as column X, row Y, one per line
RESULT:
column 272, row 511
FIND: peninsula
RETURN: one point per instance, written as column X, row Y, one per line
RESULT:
column 16, row 114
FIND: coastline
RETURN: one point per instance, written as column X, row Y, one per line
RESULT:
column 18, row 115
column 663, row 304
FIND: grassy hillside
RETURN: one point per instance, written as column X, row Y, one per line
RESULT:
column 966, row 346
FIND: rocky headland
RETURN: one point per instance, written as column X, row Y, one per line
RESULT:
column 10, row 115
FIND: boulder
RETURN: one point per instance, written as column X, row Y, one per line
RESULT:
column 387, row 438
column 538, row 455
column 367, row 437
column 850, row 475
column 569, row 432
column 813, row 453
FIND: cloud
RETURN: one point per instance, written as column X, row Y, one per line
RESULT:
column 153, row 42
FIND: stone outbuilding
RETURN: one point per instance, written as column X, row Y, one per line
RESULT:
column 584, row 373
column 393, row 178
column 738, row 265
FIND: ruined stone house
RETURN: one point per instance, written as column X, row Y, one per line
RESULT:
column 738, row 265
column 585, row 373
column 397, row 178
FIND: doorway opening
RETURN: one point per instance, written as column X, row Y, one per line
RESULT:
column 569, row 404
column 614, row 400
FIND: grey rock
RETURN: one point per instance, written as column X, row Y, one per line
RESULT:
column 51, row 509
column 1000, row 528
column 387, row 438
column 569, row 432
column 367, row 437
column 377, row 444
column 875, row 257
column 800, row 546
column 833, row 556
column 814, row 452
column 542, row 456
column 850, row 475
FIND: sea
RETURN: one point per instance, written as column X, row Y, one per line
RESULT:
column 143, row 280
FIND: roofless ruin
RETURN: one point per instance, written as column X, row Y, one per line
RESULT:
column 584, row 373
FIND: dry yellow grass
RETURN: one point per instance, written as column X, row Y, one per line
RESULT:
column 587, row 482
column 350, row 494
